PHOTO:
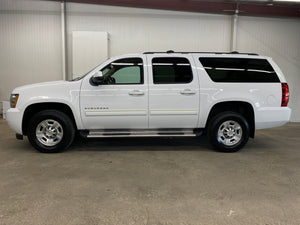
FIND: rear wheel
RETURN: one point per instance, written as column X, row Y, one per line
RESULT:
column 228, row 132
column 50, row 131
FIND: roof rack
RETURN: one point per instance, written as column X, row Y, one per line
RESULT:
column 171, row 51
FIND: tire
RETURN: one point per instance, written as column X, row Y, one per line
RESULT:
column 50, row 131
column 228, row 132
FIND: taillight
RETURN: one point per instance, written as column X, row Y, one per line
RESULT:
column 285, row 94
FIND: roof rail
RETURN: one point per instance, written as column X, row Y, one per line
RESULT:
column 171, row 51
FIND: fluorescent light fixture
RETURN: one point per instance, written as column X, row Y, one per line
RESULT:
column 286, row 1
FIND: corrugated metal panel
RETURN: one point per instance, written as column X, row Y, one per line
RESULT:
column 88, row 49
column 278, row 38
column 30, row 43
column 30, row 40
column 134, row 30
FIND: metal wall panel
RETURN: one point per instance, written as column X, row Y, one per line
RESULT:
column 88, row 49
column 30, row 38
column 133, row 30
column 30, row 43
column 279, row 39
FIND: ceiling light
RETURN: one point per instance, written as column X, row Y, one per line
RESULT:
column 286, row 1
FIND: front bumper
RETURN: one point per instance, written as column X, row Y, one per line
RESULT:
column 14, row 119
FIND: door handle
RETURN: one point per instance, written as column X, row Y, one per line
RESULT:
column 187, row 92
column 136, row 92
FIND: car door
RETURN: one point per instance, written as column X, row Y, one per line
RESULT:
column 121, row 102
column 173, row 91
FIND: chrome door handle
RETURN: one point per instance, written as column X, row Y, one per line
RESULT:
column 136, row 92
column 187, row 92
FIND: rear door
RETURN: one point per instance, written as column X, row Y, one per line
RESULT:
column 173, row 91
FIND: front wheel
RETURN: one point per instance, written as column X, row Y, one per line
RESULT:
column 228, row 132
column 50, row 131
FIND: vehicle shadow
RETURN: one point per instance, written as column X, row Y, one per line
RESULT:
column 142, row 144
column 258, row 145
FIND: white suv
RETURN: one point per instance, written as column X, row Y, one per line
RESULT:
column 224, row 95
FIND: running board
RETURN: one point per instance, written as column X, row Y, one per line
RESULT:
column 142, row 133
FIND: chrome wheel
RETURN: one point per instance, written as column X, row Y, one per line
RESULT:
column 49, row 132
column 230, row 133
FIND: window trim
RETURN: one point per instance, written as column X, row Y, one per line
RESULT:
column 161, row 57
column 241, row 82
column 142, row 74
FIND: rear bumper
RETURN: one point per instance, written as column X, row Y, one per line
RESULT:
column 272, row 117
column 14, row 120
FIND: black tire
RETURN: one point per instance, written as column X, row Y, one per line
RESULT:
column 65, row 128
column 225, row 123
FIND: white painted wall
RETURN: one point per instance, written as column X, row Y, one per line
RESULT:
column 30, row 43
column 30, row 38
column 280, row 39
column 133, row 30
column 88, row 49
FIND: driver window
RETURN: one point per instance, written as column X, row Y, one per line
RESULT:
column 124, row 71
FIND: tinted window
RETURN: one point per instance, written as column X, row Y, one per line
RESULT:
column 239, row 70
column 171, row 70
column 124, row 71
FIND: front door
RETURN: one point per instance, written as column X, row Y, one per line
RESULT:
column 121, row 102
column 173, row 91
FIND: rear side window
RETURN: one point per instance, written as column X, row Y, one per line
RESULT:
column 171, row 70
column 239, row 70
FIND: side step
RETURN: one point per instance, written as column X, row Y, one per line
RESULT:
column 141, row 133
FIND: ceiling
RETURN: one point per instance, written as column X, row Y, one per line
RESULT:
column 268, row 8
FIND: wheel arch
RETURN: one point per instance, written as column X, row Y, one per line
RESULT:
column 244, row 108
column 38, row 107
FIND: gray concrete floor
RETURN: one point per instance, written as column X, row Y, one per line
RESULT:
column 152, row 181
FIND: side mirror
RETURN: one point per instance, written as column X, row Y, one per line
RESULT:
column 97, row 79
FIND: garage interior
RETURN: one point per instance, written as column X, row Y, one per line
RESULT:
column 146, row 180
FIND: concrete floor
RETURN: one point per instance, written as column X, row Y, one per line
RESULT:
column 152, row 181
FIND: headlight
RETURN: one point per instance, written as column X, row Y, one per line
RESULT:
column 13, row 100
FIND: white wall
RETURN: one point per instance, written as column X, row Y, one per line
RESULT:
column 30, row 38
column 133, row 30
column 88, row 49
column 280, row 39
column 30, row 43
column 139, row 30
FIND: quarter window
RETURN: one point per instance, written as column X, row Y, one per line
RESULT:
column 171, row 70
column 124, row 71
column 239, row 70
